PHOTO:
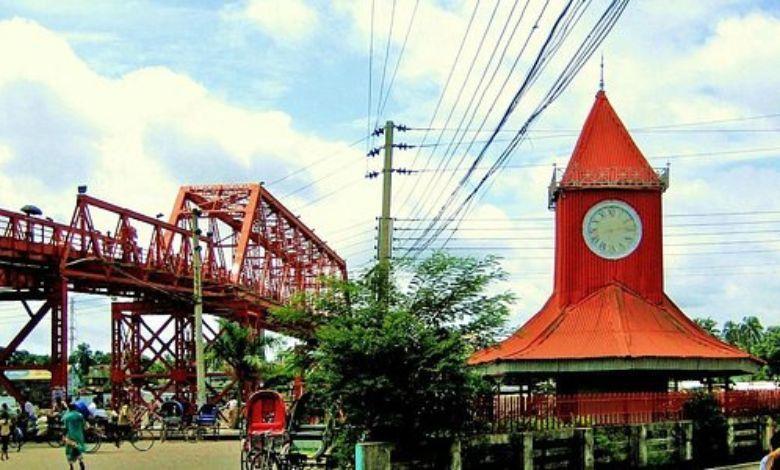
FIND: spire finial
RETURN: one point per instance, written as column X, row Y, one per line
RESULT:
column 601, row 81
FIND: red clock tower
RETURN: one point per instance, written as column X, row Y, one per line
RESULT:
column 608, row 325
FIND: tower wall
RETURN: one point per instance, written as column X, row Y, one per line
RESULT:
column 580, row 272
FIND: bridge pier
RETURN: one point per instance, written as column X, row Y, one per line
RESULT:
column 55, row 303
column 158, row 357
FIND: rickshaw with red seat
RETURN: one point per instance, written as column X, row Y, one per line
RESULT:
column 265, row 433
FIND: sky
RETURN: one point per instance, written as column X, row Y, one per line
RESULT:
column 135, row 98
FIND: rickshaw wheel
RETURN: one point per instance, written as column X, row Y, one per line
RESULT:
column 92, row 440
column 142, row 439
column 265, row 461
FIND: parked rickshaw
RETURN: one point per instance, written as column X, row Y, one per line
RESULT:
column 207, row 421
column 278, row 440
column 173, row 419
column 265, row 434
column 310, row 432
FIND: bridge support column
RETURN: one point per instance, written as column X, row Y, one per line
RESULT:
column 153, row 349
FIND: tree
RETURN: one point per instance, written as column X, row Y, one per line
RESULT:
column 243, row 349
column 746, row 335
column 396, row 367
column 82, row 358
column 101, row 358
column 709, row 325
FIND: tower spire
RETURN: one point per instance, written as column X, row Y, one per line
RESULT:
column 601, row 80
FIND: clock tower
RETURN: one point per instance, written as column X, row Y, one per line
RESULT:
column 608, row 325
column 607, row 213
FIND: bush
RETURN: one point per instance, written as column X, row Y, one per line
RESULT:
column 709, row 428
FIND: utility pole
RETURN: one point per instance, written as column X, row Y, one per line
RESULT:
column 72, row 325
column 385, row 245
column 197, row 297
column 70, row 387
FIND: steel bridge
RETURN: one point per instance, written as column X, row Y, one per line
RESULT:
column 256, row 255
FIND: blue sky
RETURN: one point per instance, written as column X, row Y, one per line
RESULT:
column 136, row 98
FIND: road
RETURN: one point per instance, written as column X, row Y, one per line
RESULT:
column 163, row 456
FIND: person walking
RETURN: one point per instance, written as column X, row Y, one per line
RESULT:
column 5, row 431
column 74, row 436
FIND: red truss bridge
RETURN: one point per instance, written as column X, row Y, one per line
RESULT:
column 256, row 255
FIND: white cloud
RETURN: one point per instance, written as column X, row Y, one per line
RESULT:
column 287, row 20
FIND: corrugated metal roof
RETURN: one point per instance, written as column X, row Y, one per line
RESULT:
column 613, row 322
column 606, row 155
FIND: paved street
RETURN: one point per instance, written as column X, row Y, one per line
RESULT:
column 163, row 456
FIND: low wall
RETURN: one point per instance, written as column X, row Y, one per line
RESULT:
column 652, row 445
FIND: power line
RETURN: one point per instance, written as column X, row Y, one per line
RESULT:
column 546, row 238
column 417, row 207
column 551, row 219
column 384, row 66
column 370, row 76
column 557, row 36
column 400, row 56
column 550, row 247
column 321, row 160
column 445, row 87
column 651, row 157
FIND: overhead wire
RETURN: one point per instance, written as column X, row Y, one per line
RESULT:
column 597, row 33
column 533, row 69
column 398, row 62
column 317, row 162
column 449, row 152
column 443, row 93
column 370, row 77
column 386, row 60
column 586, row 49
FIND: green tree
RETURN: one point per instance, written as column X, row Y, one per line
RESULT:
column 746, row 335
column 101, row 358
column 82, row 358
column 709, row 325
column 24, row 357
column 769, row 350
column 243, row 349
column 396, row 367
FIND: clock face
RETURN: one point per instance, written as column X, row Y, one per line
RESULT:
column 612, row 229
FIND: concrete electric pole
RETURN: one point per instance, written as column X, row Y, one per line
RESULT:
column 385, row 242
column 197, row 297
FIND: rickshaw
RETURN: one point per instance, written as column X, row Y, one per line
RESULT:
column 172, row 414
column 310, row 431
column 265, row 433
column 207, row 420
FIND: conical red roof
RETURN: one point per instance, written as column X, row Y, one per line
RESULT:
column 605, row 155
column 613, row 322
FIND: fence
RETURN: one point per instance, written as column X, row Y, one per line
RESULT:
column 504, row 412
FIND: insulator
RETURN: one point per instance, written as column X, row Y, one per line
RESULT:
column 401, row 128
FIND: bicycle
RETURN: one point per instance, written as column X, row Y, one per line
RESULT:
column 26, row 430
column 142, row 439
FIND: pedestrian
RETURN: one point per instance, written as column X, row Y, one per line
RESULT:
column 74, row 436
column 5, row 431
column 771, row 461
